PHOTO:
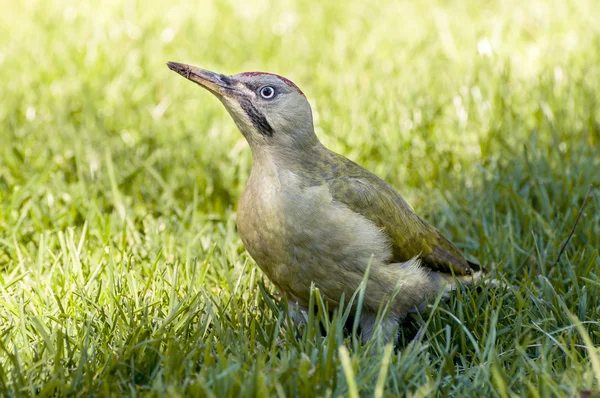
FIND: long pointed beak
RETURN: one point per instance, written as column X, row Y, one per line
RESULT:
column 216, row 83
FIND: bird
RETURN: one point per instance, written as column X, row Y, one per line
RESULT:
column 311, row 217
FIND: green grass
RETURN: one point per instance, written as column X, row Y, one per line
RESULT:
column 121, row 271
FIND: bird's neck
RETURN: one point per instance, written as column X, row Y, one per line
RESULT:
column 292, row 158
column 309, row 166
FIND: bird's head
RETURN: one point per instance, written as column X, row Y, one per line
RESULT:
column 269, row 109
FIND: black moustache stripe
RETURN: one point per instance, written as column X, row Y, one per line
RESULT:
column 258, row 119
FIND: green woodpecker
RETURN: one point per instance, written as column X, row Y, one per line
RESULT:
column 309, row 215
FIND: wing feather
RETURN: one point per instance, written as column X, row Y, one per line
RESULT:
column 411, row 236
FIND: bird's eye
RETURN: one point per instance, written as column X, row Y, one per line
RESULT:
column 267, row 92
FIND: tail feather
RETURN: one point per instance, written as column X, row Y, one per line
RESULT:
column 448, row 282
column 476, row 267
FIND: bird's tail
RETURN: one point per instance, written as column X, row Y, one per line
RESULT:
column 476, row 267
column 448, row 282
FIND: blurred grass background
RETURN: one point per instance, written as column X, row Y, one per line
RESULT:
column 120, row 268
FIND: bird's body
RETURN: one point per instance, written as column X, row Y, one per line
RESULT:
column 281, row 200
column 333, row 253
column 311, row 216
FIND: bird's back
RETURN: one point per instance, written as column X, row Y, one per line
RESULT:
column 368, row 195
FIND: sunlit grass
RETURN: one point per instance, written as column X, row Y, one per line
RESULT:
column 120, row 267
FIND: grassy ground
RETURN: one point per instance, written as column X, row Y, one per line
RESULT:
column 120, row 267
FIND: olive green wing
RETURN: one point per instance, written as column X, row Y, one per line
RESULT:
column 411, row 236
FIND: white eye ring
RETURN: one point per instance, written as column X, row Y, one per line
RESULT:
column 267, row 92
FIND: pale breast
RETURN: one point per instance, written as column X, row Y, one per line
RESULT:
column 299, row 235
